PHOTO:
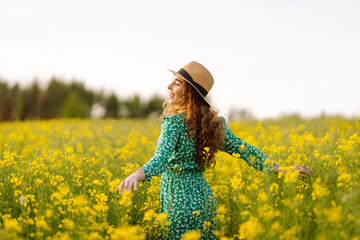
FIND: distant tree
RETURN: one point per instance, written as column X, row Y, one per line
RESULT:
column 86, row 95
column 10, row 102
column 28, row 104
column 112, row 106
column 16, row 102
column 32, row 101
column 5, row 102
column 53, row 99
column 134, row 107
column 154, row 106
column 74, row 106
column 70, row 100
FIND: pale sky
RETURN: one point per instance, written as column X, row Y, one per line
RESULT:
column 270, row 57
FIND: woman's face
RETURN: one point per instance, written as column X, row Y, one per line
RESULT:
column 175, row 90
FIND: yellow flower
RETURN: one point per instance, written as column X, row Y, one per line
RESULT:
column 244, row 199
column 49, row 213
column 94, row 236
column 334, row 214
column 250, row 229
column 289, row 234
column 68, row 224
column 343, row 179
column 128, row 232
column 30, row 221
column 149, row 215
column 291, row 175
column 114, row 184
column 262, row 196
column 126, row 198
column 196, row 213
column 206, row 225
column 242, row 147
column 42, row 224
column 276, row 227
column 267, row 212
column 66, row 135
column 97, row 182
column 191, row 235
column 274, row 188
column 319, row 190
column 161, row 217
column 12, row 225
column 237, row 183
column 80, row 201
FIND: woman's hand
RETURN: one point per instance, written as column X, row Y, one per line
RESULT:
column 131, row 181
column 303, row 170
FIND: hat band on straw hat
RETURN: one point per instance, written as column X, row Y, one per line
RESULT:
column 186, row 75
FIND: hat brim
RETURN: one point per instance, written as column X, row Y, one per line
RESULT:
column 182, row 77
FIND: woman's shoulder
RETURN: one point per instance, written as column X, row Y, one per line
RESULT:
column 177, row 119
column 174, row 116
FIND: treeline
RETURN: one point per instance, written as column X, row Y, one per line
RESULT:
column 70, row 100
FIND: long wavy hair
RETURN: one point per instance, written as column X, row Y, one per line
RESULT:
column 203, row 124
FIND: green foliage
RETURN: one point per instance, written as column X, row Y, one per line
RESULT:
column 74, row 107
column 5, row 101
column 134, row 107
column 54, row 97
column 112, row 106
column 154, row 106
column 61, row 99
column 32, row 101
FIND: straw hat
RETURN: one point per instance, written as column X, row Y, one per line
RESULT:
column 197, row 76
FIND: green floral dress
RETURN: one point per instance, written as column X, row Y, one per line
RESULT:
column 185, row 195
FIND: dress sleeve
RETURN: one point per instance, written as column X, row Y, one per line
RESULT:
column 252, row 155
column 165, row 146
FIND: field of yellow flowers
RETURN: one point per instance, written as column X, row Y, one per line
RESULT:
column 59, row 180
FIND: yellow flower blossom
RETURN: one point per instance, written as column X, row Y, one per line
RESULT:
column 196, row 213
column 128, row 232
column 319, row 190
column 12, row 225
column 250, row 229
column 334, row 214
column 289, row 233
column 191, row 235
column 68, row 224
column 344, row 179
column 126, row 198
column 97, row 182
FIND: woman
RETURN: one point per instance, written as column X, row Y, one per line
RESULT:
column 191, row 132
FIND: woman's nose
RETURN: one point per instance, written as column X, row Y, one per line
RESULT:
column 169, row 87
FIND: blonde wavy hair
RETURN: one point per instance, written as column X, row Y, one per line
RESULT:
column 201, row 119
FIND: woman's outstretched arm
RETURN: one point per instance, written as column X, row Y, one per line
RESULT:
column 165, row 146
column 253, row 156
column 250, row 154
column 303, row 170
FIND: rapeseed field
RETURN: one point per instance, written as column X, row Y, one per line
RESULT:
column 59, row 180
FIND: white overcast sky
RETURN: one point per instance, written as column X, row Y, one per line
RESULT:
column 270, row 57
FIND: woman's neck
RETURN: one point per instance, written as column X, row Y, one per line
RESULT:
column 182, row 110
